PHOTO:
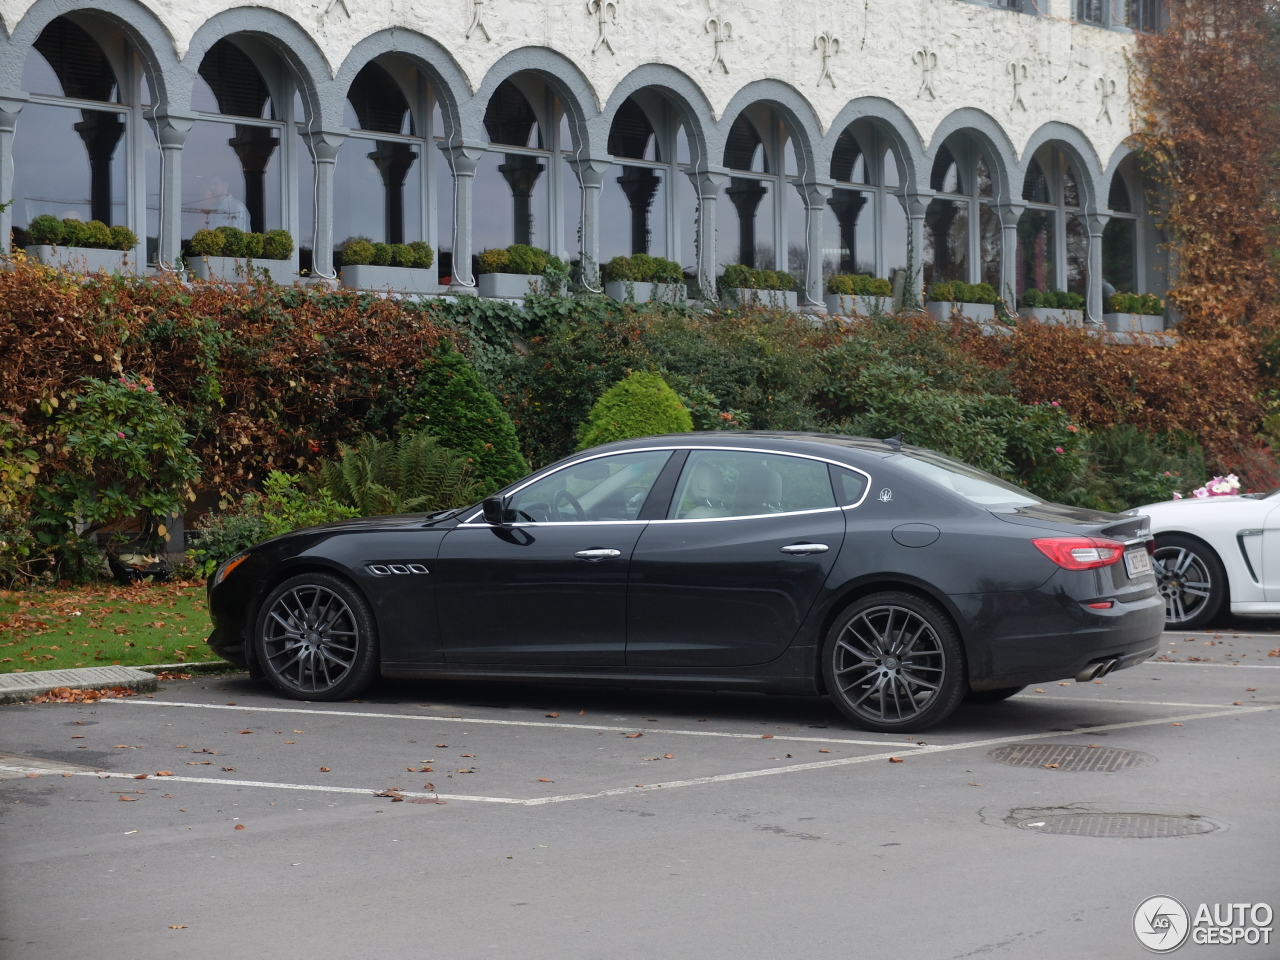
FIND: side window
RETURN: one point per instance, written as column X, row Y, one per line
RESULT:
column 732, row 483
column 606, row 488
column 849, row 486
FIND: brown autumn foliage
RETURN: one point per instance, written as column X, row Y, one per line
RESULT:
column 1206, row 93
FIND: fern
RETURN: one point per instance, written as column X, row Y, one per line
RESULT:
column 413, row 474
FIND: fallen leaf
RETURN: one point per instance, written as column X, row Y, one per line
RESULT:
column 246, row 731
column 164, row 773
column 178, row 926
column 650, row 758
column 1175, row 724
column 239, row 826
column 466, row 771
column 290, row 741
column 582, row 713
column 632, row 736
column 1038, row 690
column 669, row 756
column 299, row 731
column 553, row 714
column 468, row 755
column 895, row 759
column 972, row 784
column 1052, row 766
column 1092, row 746
column 823, row 750
column 324, row 769
column 545, row 780
column 180, row 746
column 766, row 736
column 1065, row 684
column 639, row 784
column 78, row 736
column 1250, row 689
column 141, row 776
column 122, row 797
column 429, row 786
column 228, row 769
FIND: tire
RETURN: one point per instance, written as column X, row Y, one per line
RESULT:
column 1191, row 579
column 316, row 639
column 870, row 684
column 991, row 696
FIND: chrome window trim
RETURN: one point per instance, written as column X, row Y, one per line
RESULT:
column 468, row 522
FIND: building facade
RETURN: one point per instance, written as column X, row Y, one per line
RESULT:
column 975, row 140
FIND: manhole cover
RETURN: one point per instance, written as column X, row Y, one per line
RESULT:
column 1069, row 756
column 1127, row 825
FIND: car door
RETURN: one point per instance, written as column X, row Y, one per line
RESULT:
column 1264, row 538
column 550, row 587
column 728, row 576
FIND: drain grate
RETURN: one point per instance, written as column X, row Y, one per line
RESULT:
column 1069, row 756
column 1120, row 825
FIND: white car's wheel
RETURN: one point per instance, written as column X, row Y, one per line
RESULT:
column 1192, row 581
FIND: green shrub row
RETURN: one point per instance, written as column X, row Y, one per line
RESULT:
column 642, row 268
column 361, row 251
column 859, row 285
column 519, row 258
column 956, row 292
column 1145, row 304
column 642, row 405
column 738, row 277
column 234, row 242
column 1051, row 299
column 94, row 235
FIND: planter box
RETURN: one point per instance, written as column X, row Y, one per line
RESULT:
column 974, row 312
column 509, row 286
column 1063, row 318
column 363, row 276
column 744, row 297
column 83, row 259
column 645, row 292
column 1133, row 323
column 236, row 270
column 844, row 304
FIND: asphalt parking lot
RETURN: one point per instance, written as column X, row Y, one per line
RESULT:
column 559, row 822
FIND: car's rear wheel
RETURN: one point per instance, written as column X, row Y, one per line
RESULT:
column 992, row 696
column 893, row 663
column 1191, row 579
column 316, row 638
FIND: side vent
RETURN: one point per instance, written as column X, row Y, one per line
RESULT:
column 395, row 569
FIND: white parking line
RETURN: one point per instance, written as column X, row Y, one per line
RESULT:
column 1203, row 663
column 720, row 778
column 1140, row 703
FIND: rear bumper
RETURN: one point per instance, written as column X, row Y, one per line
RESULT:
column 1014, row 639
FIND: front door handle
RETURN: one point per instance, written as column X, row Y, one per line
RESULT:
column 600, row 553
column 803, row 548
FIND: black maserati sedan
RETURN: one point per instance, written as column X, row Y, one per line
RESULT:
column 896, row 581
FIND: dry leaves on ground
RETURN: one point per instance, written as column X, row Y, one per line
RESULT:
column 67, row 695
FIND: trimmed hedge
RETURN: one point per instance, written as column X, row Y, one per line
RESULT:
column 1051, row 300
column 1144, row 304
column 954, row 291
column 738, row 277
column 642, row 405
column 94, row 235
column 642, row 268
column 859, row 285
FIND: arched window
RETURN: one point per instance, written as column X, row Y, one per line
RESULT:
column 633, row 204
column 866, row 228
column 77, row 136
column 1120, row 235
column 962, row 238
column 760, row 217
column 233, row 157
column 1053, row 242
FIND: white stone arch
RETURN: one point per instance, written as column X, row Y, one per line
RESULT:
column 892, row 123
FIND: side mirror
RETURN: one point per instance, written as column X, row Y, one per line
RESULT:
column 495, row 511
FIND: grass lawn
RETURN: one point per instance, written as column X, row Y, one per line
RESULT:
column 103, row 623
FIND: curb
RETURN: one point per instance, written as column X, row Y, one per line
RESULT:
column 17, row 687
column 203, row 666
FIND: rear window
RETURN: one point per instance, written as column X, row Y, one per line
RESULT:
column 971, row 483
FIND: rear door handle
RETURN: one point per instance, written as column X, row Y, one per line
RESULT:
column 600, row 553
column 803, row 548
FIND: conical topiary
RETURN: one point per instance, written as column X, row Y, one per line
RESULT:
column 452, row 404
column 642, row 405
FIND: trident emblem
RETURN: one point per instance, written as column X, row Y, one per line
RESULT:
column 723, row 31
column 830, row 45
column 606, row 13
column 928, row 61
column 477, row 21
column 1019, row 73
column 1108, row 90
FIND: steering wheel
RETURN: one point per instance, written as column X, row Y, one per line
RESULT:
column 567, row 497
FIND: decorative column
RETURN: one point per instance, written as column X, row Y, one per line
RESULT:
column 1094, row 307
column 815, row 195
column 462, row 158
column 590, row 172
column 916, row 204
column 324, row 146
column 10, row 107
column 1010, row 214
column 707, row 183
column 171, row 132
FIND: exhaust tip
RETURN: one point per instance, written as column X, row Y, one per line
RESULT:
column 1096, row 670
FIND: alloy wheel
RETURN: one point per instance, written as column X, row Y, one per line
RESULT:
column 310, row 639
column 1185, row 582
column 889, row 664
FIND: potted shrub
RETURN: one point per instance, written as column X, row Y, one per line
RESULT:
column 970, row 301
column 394, row 267
column 516, row 271
column 642, row 278
column 858, row 293
column 227, row 253
column 1052, row 306
column 744, row 286
column 83, row 247
column 1134, row 313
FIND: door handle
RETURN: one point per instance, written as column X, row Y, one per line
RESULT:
column 600, row 553
column 801, row 549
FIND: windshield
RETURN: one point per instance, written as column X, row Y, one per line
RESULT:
column 971, row 483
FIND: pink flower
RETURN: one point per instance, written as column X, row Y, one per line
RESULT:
column 1058, row 450
column 1177, row 496
column 1055, row 403
column 150, row 389
column 120, row 435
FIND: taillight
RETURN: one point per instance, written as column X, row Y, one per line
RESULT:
column 1151, row 547
column 1080, row 553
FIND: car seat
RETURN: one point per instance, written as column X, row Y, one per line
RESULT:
column 759, row 491
column 706, row 491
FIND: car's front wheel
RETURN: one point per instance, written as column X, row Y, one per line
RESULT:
column 316, row 639
column 1191, row 579
column 893, row 663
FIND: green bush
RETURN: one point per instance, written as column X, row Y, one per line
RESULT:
column 381, row 254
column 239, row 244
column 45, row 229
column 402, row 255
column 859, row 285
column 1129, row 467
column 357, row 251
column 739, row 277
column 527, row 260
column 494, row 260
column 1144, row 304
column 207, row 243
column 1051, row 300
column 277, row 245
column 642, row 268
column 642, row 405
column 956, row 292
column 617, row 270
column 122, row 238
column 74, row 233
column 452, row 404
column 281, row 507
column 423, row 255
column 1070, row 301
column 96, row 235
column 414, row 474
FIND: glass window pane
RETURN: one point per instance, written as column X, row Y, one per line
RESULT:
column 991, row 240
column 970, row 482
column 890, row 170
column 68, row 62
column 511, row 201
column 571, row 203
column 946, row 241
column 1070, row 189
column 444, row 217
column 895, row 235
column 633, row 212
column 1118, row 198
column 850, row 232
column 688, row 215
column 744, row 223
column 306, row 206
column 606, row 488
column 718, row 483
column 797, row 219
column 151, row 165
column 1037, row 256
column 377, row 191
column 1120, row 255
column 229, row 82
column 1035, row 186
column 221, row 190
column 69, row 163
column 509, row 118
column 1077, row 254
column 945, row 177
column 850, row 486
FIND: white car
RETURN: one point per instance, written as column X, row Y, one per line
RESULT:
column 1214, row 551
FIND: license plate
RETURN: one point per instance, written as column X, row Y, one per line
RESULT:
column 1137, row 562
